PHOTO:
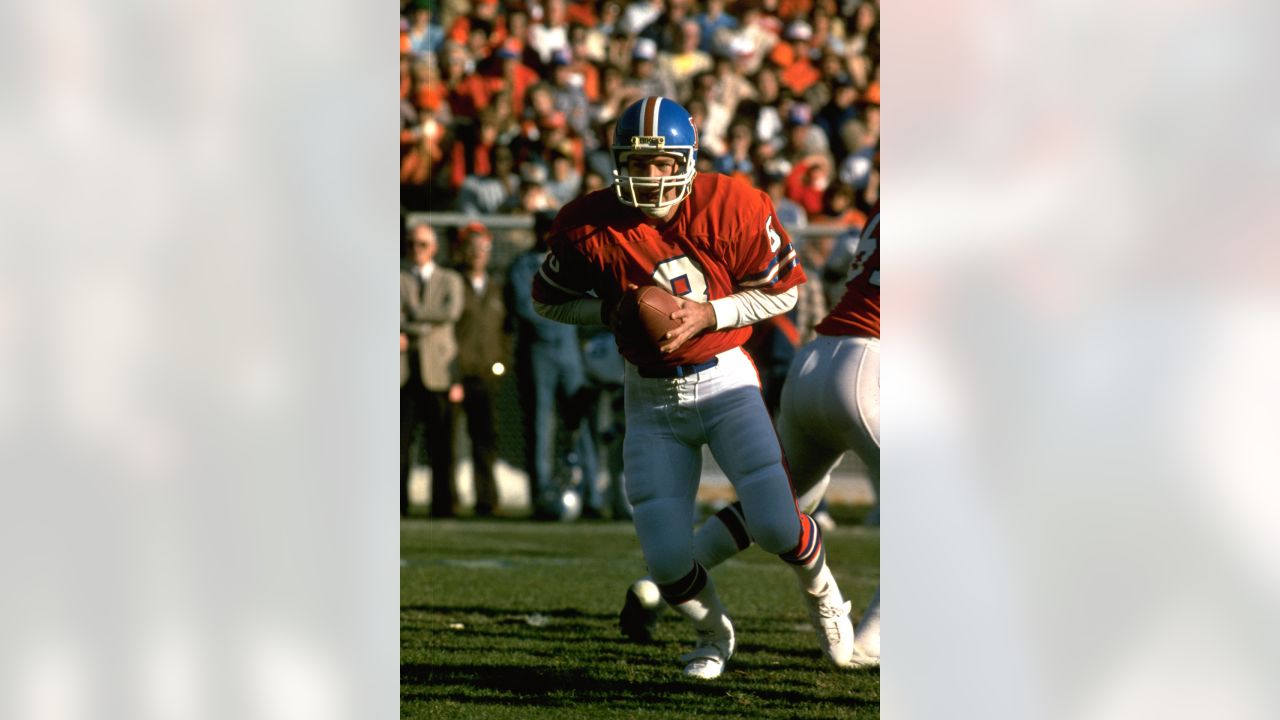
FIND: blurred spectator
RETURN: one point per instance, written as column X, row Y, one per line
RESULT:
column 686, row 60
column 482, row 19
column 737, row 161
column 593, row 181
column 473, row 149
column 510, row 74
column 756, row 37
column 615, row 96
column 567, row 93
column 425, row 89
column 600, row 160
column 717, row 113
column 855, row 171
column 839, row 207
column 607, row 422
column 468, row 92
column 565, row 182
column 804, row 139
column 863, row 35
column 549, row 34
column 550, row 376
column 582, row 13
column 840, row 111
column 421, row 153
column 639, row 15
column 482, row 358
column 431, row 299
column 870, row 105
column 762, row 110
column 424, row 35
column 789, row 212
column 798, row 72
column 827, row 33
column 731, row 86
column 807, row 182
column 610, row 15
column 620, row 50
column 582, row 63
column 558, row 137
column 868, row 198
column 539, row 107
column 646, row 78
column 493, row 193
column 792, row 9
column 534, row 197
column 665, row 31
column 715, row 28
column 406, row 75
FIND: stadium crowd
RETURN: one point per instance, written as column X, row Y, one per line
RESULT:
column 509, row 108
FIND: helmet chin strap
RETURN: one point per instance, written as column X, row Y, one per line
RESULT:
column 660, row 212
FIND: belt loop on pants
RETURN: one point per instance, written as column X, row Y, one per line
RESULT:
column 676, row 371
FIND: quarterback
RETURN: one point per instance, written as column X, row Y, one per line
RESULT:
column 830, row 405
column 715, row 244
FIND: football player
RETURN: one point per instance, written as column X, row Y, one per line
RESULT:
column 716, row 244
column 830, row 404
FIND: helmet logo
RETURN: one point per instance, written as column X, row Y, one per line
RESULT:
column 648, row 142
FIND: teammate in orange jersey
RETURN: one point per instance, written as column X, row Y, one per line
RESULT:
column 716, row 244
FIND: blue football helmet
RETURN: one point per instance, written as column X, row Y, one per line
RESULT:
column 654, row 126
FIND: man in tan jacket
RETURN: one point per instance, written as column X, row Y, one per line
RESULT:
column 431, row 300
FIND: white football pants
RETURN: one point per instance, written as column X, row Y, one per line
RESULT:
column 830, row 404
column 668, row 422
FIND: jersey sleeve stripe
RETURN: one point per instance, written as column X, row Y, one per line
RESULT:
column 776, row 269
column 787, row 252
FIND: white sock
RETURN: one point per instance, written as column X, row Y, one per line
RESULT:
column 816, row 578
column 704, row 608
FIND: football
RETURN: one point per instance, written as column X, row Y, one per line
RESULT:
column 652, row 307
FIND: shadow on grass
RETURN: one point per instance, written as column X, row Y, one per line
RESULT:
column 551, row 687
column 577, row 659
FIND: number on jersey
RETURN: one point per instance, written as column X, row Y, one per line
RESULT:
column 682, row 277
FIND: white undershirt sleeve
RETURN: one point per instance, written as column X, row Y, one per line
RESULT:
column 585, row 311
column 751, row 306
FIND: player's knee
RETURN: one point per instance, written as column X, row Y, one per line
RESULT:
column 770, row 509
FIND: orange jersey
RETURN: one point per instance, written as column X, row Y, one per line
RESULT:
column 858, row 312
column 723, row 238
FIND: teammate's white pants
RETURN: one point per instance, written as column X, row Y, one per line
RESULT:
column 668, row 422
column 830, row 404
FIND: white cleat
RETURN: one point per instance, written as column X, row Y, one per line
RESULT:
column 861, row 659
column 835, row 631
column 715, row 647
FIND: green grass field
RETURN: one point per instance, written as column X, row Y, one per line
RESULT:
column 514, row 619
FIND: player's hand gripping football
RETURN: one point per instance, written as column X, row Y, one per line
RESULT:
column 663, row 319
column 693, row 317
